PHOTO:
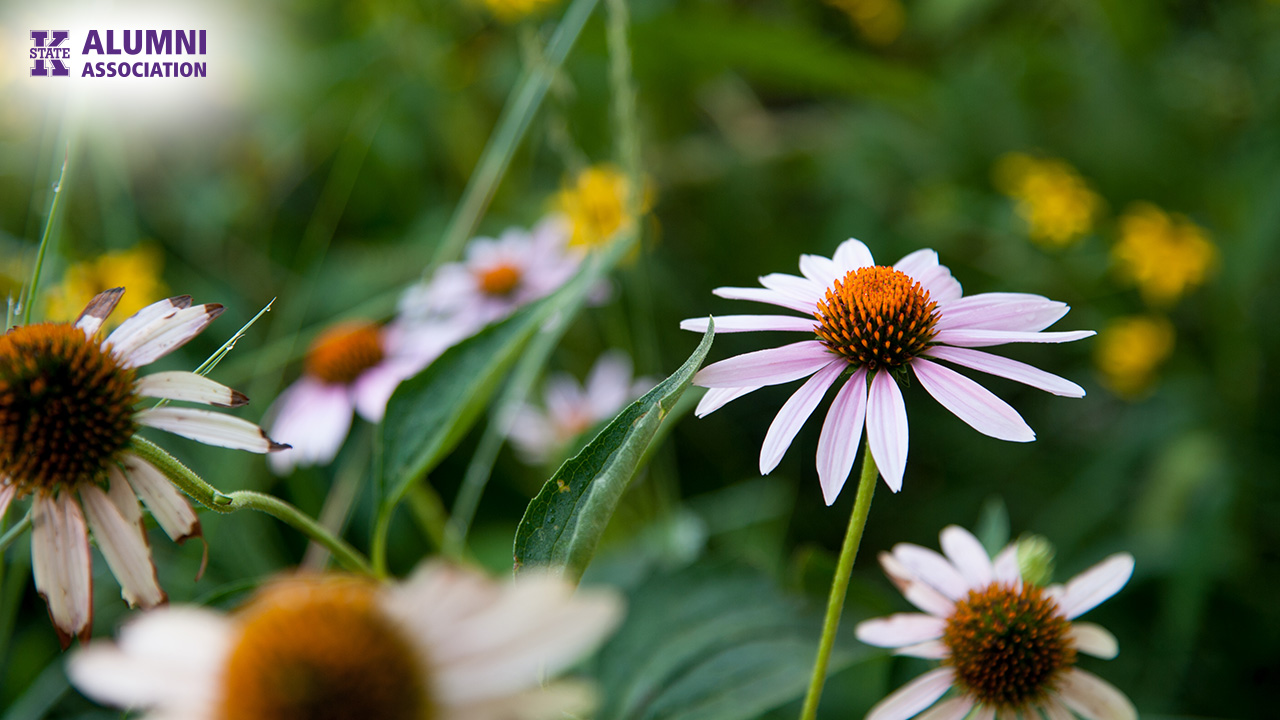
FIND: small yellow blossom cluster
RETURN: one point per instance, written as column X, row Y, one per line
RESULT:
column 878, row 21
column 510, row 11
column 137, row 269
column 1164, row 255
column 1130, row 350
column 1056, row 202
column 595, row 205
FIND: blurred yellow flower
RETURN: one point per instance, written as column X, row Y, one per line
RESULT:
column 509, row 11
column 595, row 205
column 1164, row 255
column 137, row 269
column 879, row 21
column 1130, row 350
column 1058, row 205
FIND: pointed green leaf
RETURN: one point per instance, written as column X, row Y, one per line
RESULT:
column 563, row 524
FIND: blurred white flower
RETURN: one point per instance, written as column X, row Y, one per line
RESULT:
column 496, row 277
column 570, row 409
column 1007, row 647
column 352, row 366
column 447, row 644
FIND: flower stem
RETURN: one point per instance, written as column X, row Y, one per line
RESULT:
column 840, row 583
column 29, row 303
column 14, row 532
column 514, row 121
column 210, row 497
column 346, row 555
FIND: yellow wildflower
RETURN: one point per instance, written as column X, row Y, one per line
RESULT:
column 509, row 11
column 1058, row 205
column 879, row 21
column 1129, row 351
column 1164, row 255
column 137, row 269
column 595, row 205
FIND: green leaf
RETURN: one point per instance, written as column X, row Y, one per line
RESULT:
column 562, row 525
column 429, row 413
column 691, row 648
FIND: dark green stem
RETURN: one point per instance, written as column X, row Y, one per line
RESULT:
column 840, row 583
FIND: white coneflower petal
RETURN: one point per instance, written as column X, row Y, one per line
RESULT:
column 1095, row 640
column 795, row 411
column 929, row 650
column 790, row 286
column 1095, row 585
column 1006, row 368
column 967, row 555
column 92, row 317
column 1094, row 698
column 209, row 427
column 914, row 697
column 165, row 335
column 60, row 563
column 1005, row 566
column 887, row 431
column 929, row 567
column 716, row 398
column 950, row 709
column 764, row 295
column 901, row 630
column 773, row 366
column 841, row 435
column 967, row 337
column 1055, row 710
column 189, row 387
column 123, row 496
column 1003, row 311
column 124, row 547
column 167, row 656
column 170, row 509
column 750, row 323
column 972, row 403
column 143, row 320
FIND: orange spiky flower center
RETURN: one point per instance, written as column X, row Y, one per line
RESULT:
column 66, row 407
column 1007, row 645
column 320, row 648
column 343, row 352
column 876, row 317
column 499, row 279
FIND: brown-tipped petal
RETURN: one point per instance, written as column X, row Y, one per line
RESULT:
column 60, row 564
column 98, row 309
column 189, row 387
column 124, row 547
column 123, row 496
column 165, row 335
column 210, row 428
column 138, row 323
column 172, row 511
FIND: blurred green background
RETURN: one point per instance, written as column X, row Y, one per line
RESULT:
column 979, row 128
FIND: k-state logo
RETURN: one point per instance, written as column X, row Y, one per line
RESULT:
column 49, row 47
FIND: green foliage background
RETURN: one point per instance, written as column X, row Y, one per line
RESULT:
column 768, row 128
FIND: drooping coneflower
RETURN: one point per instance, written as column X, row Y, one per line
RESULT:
column 67, row 417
